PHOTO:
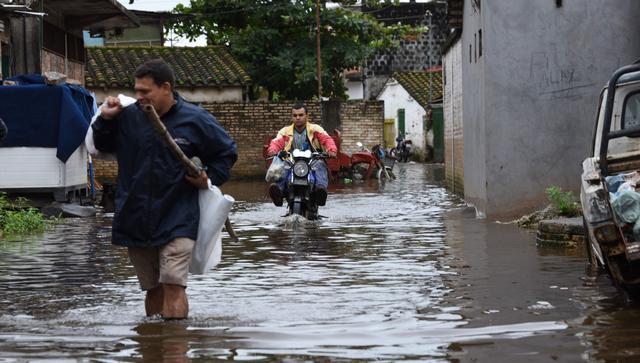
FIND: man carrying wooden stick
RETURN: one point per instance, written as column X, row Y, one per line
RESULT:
column 156, row 203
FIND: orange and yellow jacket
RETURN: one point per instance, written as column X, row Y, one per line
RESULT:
column 319, row 139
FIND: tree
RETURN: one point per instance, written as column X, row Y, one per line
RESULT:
column 275, row 40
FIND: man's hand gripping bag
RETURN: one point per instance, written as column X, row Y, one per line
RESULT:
column 214, row 209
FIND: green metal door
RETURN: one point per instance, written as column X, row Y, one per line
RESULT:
column 401, row 122
column 438, row 135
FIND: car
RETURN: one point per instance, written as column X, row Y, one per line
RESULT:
column 610, row 179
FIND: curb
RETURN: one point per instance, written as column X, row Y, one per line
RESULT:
column 561, row 232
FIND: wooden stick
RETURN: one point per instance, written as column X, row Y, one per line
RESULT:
column 192, row 169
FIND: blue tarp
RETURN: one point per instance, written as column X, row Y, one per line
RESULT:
column 40, row 115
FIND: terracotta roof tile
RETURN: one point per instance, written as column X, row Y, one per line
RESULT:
column 193, row 66
column 424, row 87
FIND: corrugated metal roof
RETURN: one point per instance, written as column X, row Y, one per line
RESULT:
column 113, row 67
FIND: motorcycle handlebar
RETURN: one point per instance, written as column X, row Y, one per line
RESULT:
column 284, row 154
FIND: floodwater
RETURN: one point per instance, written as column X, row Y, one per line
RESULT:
column 396, row 272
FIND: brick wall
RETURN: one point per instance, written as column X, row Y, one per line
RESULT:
column 363, row 122
column 105, row 171
column 452, row 108
column 54, row 63
column 251, row 125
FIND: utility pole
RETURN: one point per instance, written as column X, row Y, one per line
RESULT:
column 319, row 59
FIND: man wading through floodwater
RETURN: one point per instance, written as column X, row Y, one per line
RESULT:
column 156, row 203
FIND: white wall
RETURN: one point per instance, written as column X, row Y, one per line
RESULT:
column 355, row 90
column 474, row 103
column 395, row 97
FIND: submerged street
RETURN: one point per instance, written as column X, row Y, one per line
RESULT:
column 400, row 271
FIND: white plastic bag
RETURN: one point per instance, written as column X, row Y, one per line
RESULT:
column 276, row 170
column 214, row 209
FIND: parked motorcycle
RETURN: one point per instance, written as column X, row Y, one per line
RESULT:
column 366, row 163
column 402, row 151
column 301, row 182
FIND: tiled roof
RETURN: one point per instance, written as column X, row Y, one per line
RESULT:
column 424, row 87
column 194, row 66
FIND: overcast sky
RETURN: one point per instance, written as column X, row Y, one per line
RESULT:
column 153, row 5
column 163, row 5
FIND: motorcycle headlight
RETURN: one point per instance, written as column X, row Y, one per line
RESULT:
column 300, row 169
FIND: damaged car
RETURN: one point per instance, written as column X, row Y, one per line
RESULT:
column 610, row 182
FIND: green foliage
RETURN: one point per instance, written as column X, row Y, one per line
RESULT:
column 276, row 40
column 564, row 202
column 17, row 218
column 22, row 222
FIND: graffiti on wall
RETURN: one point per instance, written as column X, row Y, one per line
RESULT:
column 556, row 79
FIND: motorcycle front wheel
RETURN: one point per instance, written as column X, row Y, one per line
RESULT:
column 297, row 208
column 385, row 176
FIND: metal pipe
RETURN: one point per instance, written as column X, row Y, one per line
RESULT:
column 318, row 54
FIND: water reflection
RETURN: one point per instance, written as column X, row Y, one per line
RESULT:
column 397, row 271
column 162, row 342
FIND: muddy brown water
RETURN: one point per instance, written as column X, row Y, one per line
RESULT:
column 396, row 272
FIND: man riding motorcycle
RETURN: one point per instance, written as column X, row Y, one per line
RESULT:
column 302, row 135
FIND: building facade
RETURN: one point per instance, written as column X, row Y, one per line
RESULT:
column 531, row 76
column 416, row 53
column 38, row 36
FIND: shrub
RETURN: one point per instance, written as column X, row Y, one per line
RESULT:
column 15, row 218
column 564, row 202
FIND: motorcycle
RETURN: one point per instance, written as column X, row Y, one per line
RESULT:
column 367, row 163
column 402, row 151
column 301, row 180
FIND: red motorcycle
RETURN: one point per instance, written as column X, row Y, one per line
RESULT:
column 367, row 164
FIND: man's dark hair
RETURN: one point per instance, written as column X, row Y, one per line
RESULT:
column 298, row 106
column 158, row 70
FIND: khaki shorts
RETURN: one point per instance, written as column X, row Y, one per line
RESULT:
column 168, row 264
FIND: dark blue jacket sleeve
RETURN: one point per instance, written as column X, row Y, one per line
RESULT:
column 104, row 134
column 217, row 150
column 3, row 130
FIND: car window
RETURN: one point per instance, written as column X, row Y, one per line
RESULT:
column 626, row 115
column 631, row 116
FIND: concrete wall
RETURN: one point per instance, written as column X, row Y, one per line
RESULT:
column 253, row 124
column 192, row 94
column 530, row 99
column 395, row 97
column 452, row 109
column 474, row 123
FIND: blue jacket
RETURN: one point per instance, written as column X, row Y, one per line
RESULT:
column 154, row 204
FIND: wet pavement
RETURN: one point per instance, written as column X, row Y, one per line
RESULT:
column 396, row 272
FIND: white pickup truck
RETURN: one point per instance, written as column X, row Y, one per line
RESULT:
column 610, row 183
